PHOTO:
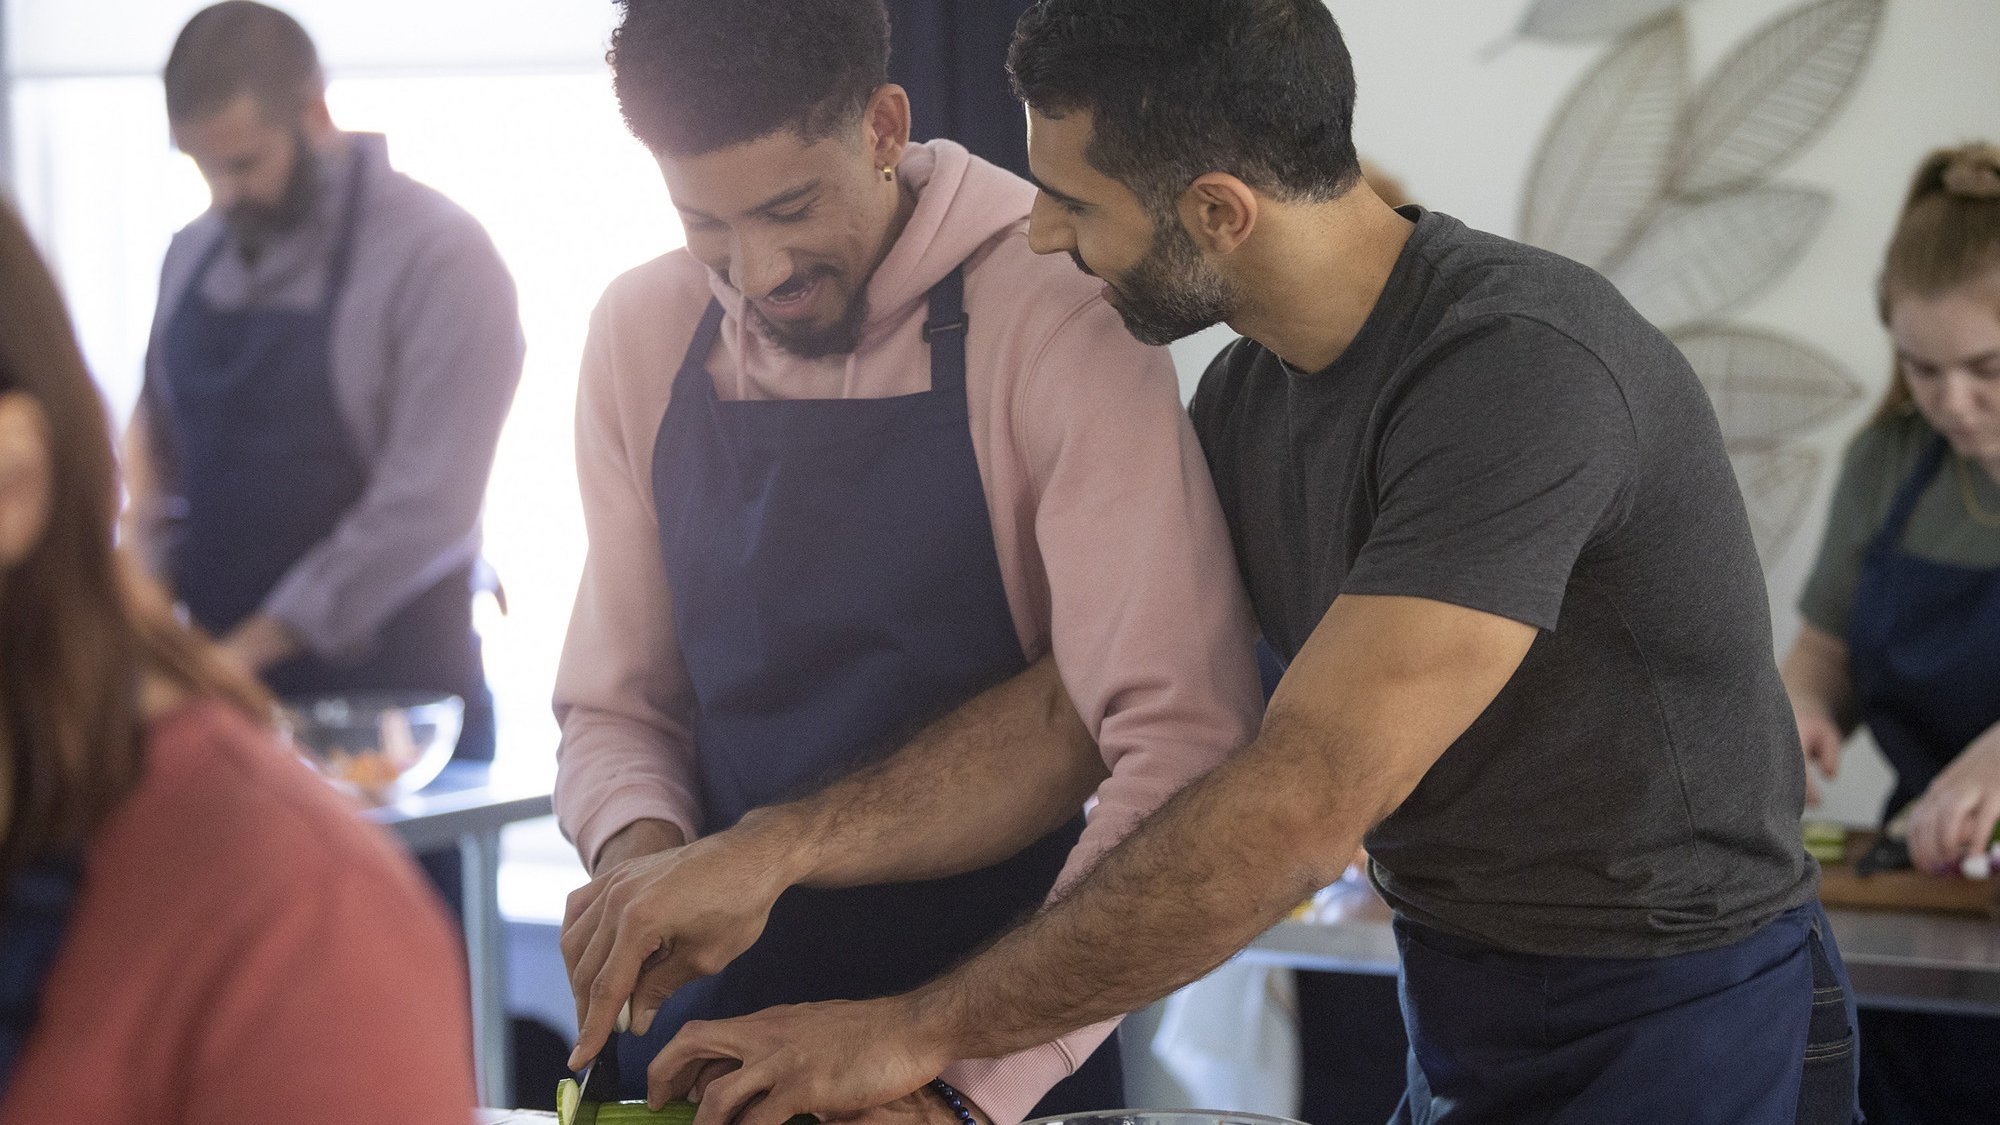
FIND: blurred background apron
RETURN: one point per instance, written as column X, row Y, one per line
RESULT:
column 267, row 472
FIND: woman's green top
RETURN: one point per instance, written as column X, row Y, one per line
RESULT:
column 1942, row 529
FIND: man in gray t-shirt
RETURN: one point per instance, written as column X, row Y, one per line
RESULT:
column 1484, row 512
column 1505, row 434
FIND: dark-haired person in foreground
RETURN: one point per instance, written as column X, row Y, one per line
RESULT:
column 853, row 461
column 335, row 349
column 1485, row 514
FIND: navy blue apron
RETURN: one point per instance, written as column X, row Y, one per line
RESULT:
column 34, row 918
column 267, row 471
column 1755, row 1033
column 1923, row 648
column 1923, row 652
column 836, row 587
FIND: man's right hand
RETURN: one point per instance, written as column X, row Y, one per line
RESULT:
column 655, row 918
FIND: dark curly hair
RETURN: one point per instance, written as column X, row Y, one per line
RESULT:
column 1260, row 89
column 693, row 76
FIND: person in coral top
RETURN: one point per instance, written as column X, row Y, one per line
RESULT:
column 194, row 928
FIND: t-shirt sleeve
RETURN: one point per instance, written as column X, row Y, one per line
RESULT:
column 1851, row 522
column 1504, row 455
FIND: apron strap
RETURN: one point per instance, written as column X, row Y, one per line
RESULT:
column 705, row 335
column 343, row 246
column 948, row 321
column 944, row 330
column 206, row 263
column 1907, row 496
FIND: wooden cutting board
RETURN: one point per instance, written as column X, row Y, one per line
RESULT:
column 1904, row 890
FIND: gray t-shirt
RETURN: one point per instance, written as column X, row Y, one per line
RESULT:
column 1508, row 435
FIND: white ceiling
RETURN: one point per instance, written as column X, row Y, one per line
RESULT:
column 62, row 38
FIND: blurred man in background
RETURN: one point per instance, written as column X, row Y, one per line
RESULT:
column 333, row 353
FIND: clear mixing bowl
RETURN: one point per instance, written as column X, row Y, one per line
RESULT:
column 378, row 746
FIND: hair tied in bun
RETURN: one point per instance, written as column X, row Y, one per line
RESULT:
column 1974, row 172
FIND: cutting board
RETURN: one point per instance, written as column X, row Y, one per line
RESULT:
column 1904, row 890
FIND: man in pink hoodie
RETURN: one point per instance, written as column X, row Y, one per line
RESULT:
column 887, row 516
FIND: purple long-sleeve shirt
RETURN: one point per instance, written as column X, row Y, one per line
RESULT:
column 426, row 355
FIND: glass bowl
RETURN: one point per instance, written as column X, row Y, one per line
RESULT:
column 378, row 745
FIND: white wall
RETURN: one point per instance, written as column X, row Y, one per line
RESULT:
column 1454, row 105
column 505, row 107
column 95, row 175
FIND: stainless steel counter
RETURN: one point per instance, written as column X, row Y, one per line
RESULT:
column 468, row 806
column 1897, row 959
column 1921, row 962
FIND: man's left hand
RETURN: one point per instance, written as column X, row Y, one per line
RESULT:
column 834, row 1060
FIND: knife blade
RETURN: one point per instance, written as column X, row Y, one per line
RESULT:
column 600, row 1079
column 599, row 1085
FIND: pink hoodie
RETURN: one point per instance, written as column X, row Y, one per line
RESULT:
column 1111, row 546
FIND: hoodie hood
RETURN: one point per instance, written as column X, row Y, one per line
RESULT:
column 963, row 203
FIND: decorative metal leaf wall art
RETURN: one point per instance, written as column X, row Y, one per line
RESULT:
column 1774, row 94
column 1699, row 260
column 1670, row 196
column 1604, row 165
column 1778, row 488
column 1590, row 19
column 1767, row 389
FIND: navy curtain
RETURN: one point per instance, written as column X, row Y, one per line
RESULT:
column 951, row 55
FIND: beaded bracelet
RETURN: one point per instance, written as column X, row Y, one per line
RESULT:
column 952, row 1099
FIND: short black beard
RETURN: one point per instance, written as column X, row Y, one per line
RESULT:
column 839, row 338
column 1171, row 294
column 257, row 225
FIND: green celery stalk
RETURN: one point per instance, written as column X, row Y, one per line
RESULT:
column 568, row 1097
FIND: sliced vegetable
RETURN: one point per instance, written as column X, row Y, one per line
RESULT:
column 569, row 1097
column 1824, row 840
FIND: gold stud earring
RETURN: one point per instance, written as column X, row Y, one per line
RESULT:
column 888, row 173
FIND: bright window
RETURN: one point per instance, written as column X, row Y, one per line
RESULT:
column 541, row 159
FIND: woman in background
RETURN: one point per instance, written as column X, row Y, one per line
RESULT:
column 193, row 928
column 1902, row 611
